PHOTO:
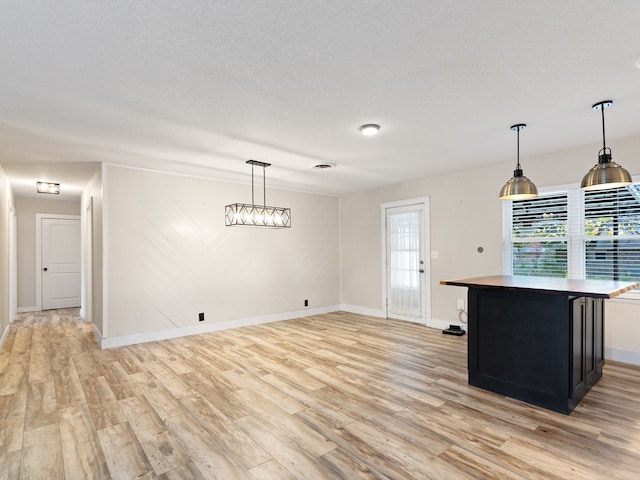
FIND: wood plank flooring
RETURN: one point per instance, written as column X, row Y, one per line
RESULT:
column 335, row 396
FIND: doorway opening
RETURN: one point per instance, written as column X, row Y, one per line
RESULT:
column 406, row 266
column 13, row 264
column 86, row 312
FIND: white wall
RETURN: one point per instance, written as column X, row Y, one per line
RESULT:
column 7, row 202
column 26, row 209
column 461, row 220
column 465, row 214
column 169, row 256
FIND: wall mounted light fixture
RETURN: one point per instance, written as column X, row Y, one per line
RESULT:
column 518, row 187
column 606, row 173
column 48, row 187
column 257, row 215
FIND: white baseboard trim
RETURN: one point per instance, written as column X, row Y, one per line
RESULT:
column 97, row 335
column 5, row 334
column 27, row 309
column 372, row 312
column 621, row 355
column 124, row 340
column 432, row 323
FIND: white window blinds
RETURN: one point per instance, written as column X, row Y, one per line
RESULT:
column 612, row 233
column 575, row 234
column 539, row 236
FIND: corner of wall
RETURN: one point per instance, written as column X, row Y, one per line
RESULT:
column 372, row 312
column 7, row 205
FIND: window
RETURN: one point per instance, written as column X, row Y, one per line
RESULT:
column 612, row 233
column 539, row 236
column 574, row 234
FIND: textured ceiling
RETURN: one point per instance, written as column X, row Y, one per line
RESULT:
column 200, row 86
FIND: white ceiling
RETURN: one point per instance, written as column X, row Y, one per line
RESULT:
column 200, row 86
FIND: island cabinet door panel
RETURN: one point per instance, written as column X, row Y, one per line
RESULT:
column 594, row 354
column 587, row 349
column 589, row 338
column 578, row 373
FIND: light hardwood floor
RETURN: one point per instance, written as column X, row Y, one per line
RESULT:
column 337, row 396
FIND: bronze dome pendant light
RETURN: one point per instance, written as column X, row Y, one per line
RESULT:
column 518, row 187
column 606, row 173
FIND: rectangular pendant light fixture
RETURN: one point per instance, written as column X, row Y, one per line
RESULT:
column 253, row 215
column 48, row 187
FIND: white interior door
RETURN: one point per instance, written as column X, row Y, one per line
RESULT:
column 406, row 263
column 60, row 262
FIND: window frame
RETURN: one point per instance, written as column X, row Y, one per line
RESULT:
column 576, row 252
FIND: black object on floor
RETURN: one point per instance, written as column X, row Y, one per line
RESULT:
column 454, row 330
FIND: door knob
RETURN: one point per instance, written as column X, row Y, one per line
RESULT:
column 421, row 270
column 45, row 269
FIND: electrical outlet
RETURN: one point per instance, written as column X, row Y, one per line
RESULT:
column 306, row 303
column 201, row 317
column 461, row 304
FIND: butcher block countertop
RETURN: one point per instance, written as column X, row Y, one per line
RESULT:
column 552, row 286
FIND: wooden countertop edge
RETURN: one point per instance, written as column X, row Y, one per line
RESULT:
column 550, row 291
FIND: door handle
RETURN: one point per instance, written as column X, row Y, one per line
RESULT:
column 421, row 270
column 45, row 269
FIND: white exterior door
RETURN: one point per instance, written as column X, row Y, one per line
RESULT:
column 406, row 265
column 60, row 263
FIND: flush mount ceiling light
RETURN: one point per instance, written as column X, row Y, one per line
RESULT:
column 518, row 187
column 257, row 215
column 48, row 187
column 606, row 173
column 369, row 129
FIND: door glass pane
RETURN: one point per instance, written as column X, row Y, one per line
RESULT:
column 404, row 263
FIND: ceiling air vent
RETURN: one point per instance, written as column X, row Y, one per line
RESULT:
column 324, row 166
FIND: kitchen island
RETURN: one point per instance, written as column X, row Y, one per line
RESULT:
column 540, row 340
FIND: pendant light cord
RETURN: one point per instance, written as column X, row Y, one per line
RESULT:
column 603, row 155
column 604, row 143
column 252, row 200
column 264, row 165
column 264, row 187
column 518, row 171
column 518, row 150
